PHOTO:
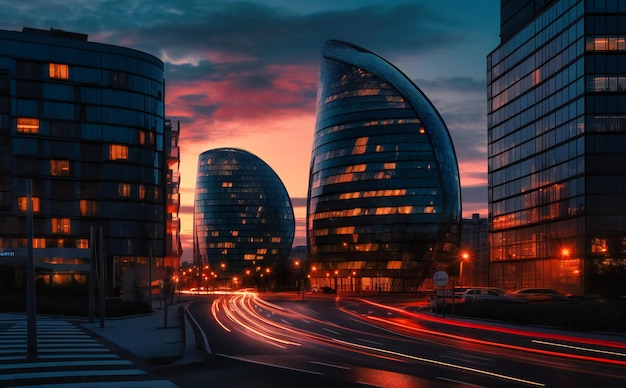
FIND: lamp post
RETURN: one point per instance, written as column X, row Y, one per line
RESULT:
column 463, row 258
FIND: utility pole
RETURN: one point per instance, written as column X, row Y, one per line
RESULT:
column 102, row 272
column 31, row 305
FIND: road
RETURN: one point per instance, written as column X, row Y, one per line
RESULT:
column 348, row 341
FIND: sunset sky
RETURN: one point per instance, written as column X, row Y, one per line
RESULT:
column 244, row 73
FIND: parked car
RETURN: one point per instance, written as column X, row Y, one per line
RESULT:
column 440, row 297
column 538, row 295
column 486, row 294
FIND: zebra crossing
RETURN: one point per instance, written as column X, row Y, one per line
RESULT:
column 66, row 357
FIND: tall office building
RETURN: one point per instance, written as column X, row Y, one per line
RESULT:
column 243, row 218
column 384, row 202
column 557, row 146
column 82, row 124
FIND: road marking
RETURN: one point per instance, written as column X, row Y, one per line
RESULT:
column 371, row 342
column 71, row 373
column 50, row 364
column 442, row 363
column 118, row 384
column 329, row 365
column 268, row 364
column 580, row 348
column 464, row 383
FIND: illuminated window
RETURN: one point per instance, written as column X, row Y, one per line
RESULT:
column 82, row 243
column 88, row 207
column 60, row 167
column 59, row 71
column 118, row 152
column 39, row 243
column 22, row 203
column 227, row 184
column 360, row 146
column 26, row 125
column 142, row 191
column 60, row 225
column 123, row 189
column 606, row 43
column 142, row 136
column 249, row 256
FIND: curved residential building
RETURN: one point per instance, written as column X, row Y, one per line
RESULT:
column 82, row 123
column 243, row 218
column 384, row 202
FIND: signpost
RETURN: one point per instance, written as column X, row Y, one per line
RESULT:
column 441, row 279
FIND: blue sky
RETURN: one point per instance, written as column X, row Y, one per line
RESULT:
column 244, row 73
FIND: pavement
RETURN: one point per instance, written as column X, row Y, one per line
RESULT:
column 160, row 337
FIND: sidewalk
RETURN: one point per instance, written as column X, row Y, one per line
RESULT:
column 155, row 337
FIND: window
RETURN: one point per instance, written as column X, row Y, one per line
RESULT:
column 60, row 167
column 606, row 43
column 82, row 243
column 142, row 192
column 59, row 71
column 22, row 203
column 118, row 152
column 25, row 125
column 119, row 80
column 88, row 207
column 60, row 225
column 39, row 243
column 123, row 189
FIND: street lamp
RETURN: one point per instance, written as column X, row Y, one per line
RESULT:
column 464, row 257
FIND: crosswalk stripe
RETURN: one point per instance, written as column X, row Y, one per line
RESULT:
column 71, row 373
column 50, row 364
column 66, row 357
column 114, row 384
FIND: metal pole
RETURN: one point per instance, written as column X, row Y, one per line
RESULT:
column 92, row 257
column 150, row 275
column 31, row 305
column 102, row 272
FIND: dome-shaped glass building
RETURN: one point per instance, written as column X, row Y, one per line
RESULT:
column 243, row 218
column 384, row 200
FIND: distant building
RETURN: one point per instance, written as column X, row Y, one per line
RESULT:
column 557, row 147
column 243, row 218
column 173, row 245
column 82, row 123
column 384, row 205
column 475, row 251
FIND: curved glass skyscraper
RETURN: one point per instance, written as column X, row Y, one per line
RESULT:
column 84, row 122
column 243, row 218
column 384, row 202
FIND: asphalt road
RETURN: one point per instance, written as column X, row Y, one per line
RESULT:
column 323, row 341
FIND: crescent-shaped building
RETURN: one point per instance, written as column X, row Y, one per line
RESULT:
column 384, row 198
column 243, row 218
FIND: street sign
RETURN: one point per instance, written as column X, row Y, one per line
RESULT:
column 441, row 278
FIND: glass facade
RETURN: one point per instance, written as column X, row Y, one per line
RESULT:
column 384, row 201
column 84, row 123
column 244, row 223
column 557, row 150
